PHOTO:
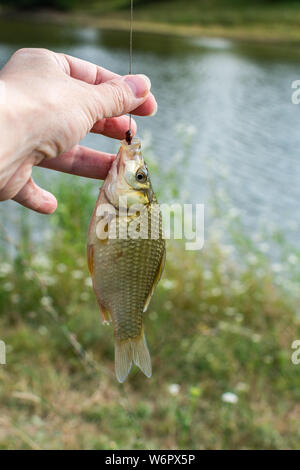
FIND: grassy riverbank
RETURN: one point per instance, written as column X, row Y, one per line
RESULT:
column 254, row 21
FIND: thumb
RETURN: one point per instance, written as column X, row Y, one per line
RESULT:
column 122, row 95
column 36, row 198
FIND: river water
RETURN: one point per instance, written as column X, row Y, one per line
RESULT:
column 236, row 97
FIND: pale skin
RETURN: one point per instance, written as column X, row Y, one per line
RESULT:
column 48, row 103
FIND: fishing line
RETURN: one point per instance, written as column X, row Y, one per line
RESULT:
column 128, row 133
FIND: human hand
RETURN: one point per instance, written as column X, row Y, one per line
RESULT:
column 51, row 101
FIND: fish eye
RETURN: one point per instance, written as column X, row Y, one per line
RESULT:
column 141, row 175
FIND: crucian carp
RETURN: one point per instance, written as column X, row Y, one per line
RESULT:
column 126, row 254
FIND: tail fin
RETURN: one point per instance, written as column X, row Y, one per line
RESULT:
column 133, row 350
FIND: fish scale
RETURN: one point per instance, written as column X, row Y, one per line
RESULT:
column 133, row 286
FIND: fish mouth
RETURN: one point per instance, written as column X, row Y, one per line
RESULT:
column 133, row 150
column 135, row 144
column 130, row 153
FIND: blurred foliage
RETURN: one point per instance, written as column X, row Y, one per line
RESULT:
column 219, row 328
column 72, row 3
column 35, row 4
column 104, row 5
column 256, row 19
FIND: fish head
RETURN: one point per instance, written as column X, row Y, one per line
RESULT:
column 129, row 177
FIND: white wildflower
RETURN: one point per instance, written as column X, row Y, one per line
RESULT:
column 276, row 267
column 238, row 287
column 153, row 315
column 227, row 249
column 239, row 317
column 77, row 274
column 168, row 305
column 46, row 301
column 29, row 275
column 230, row 311
column 61, row 268
column 168, row 284
column 8, row 286
column 174, row 389
column 256, row 338
column 216, row 292
column 229, row 397
column 190, row 130
column 84, row 296
column 88, row 282
column 41, row 260
column 48, row 280
column 207, row 275
column 293, row 259
column 264, row 247
column 252, row 259
column 5, row 268
column 43, row 330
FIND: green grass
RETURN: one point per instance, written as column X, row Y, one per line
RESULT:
column 219, row 322
column 205, row 12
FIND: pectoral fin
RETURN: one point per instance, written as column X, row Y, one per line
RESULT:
column 90, row 258
column 105, row 315
column 104, row 312
column 156, row 280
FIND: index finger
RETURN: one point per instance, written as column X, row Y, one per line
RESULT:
column 81, row 161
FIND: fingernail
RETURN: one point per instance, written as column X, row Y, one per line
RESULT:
column 139, row 84
column 49, row 203
column 155, row 111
